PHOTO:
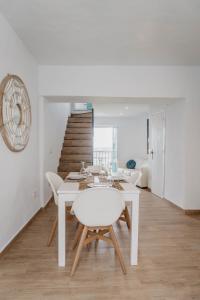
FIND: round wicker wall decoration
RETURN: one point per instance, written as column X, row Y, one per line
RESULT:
column 15, row 113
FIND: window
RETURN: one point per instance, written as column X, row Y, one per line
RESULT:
column 105, row 147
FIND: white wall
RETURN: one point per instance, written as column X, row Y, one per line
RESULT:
column 19, row 191
column 138, row 81
column 115, row 81
column 175, row 153
column 131, row 136
column 55, row 121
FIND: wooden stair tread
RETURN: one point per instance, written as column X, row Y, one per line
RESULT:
column 78, row 136
column 78, row 157
column 70, row 166
column 79, row 120
column 77, row 143
column 83, row 115
column 76, row 150
column 79, row 130
column 78, row 161
column 79, row 125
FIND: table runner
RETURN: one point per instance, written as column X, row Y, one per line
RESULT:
column 83, row 184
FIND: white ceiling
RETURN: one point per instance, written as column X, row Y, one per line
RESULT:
column 101, row 32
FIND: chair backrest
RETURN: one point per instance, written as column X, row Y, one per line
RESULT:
column 55, row 181
column 98, row 206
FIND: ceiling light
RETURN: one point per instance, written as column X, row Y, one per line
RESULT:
column 126, row 107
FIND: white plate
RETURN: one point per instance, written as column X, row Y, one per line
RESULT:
column 91, row 185
column 76, row 176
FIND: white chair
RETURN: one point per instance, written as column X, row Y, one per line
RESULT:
column 143, row 181
column 134, row 178
column 55, row 181
column 97, row 209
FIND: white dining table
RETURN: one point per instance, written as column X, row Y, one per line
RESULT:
column 68, row 192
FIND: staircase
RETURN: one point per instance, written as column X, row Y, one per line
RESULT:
column 78, row 143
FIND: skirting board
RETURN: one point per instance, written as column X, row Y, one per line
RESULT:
column 188, row 212
column 23, row 228
column 192, row 212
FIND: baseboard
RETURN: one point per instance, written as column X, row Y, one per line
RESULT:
column 188, row 212
column 47, row 203
column 144, row 188
column 24, row 227
column 173, row 204
column 192, row 212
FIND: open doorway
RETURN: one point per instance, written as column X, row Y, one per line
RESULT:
column 105, row 147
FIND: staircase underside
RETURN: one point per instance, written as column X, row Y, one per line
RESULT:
column 78, row 143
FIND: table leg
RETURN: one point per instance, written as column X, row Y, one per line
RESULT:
column 134, row 231
column 61, row 233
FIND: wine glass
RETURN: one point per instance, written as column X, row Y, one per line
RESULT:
column 83, row 169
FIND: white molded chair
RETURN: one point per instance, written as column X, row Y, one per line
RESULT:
column 54, row 181
column 134, row 178
column 97, row 209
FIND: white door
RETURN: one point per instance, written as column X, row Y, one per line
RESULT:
column 157, row 154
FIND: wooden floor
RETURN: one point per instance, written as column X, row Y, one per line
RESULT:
column 169, row 261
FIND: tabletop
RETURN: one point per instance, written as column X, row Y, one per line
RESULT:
column 76, row 186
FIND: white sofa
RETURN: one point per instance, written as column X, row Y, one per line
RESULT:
column 142, row 167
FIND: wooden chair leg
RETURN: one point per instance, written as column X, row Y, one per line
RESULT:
column 77, row 224
column 97, row 240
column 77, row 235
column 117, row 249
column 89, row 244
column 80, row 246
column 53, row 231
column 127, row 217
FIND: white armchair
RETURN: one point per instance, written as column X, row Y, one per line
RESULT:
column 142, row 182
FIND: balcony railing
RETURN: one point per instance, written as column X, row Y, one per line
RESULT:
column 103, row 158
